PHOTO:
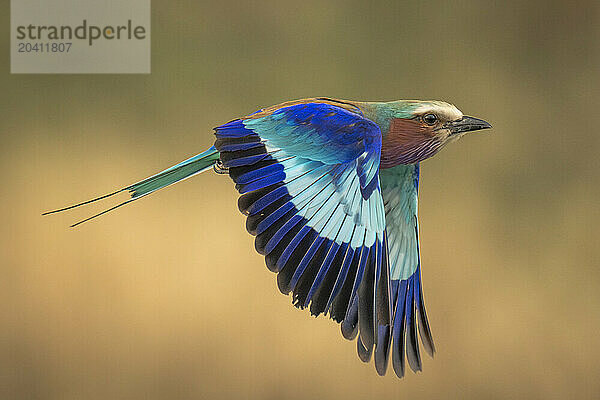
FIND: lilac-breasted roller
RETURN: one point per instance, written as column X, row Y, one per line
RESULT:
column 330, row 189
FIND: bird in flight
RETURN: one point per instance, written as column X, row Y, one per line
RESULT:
column 330, row 190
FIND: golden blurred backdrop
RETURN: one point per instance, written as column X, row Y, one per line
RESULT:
column 166, row 298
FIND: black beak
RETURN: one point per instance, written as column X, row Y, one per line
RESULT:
column 467, row 124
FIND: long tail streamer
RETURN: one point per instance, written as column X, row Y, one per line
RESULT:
column 177, row 173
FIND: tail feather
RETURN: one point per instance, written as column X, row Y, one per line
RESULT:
column 185, row 169
column 177, row 173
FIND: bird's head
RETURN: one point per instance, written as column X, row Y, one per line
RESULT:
column 419, row 129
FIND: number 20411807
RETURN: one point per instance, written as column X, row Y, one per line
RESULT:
column 26, row 47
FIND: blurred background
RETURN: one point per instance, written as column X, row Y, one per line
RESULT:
column 166, row 298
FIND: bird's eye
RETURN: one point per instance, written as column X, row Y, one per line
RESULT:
column 430, row 119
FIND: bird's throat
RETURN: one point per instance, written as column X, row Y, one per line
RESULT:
column 407, row 141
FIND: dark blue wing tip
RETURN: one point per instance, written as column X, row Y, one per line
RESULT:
column 410, row 316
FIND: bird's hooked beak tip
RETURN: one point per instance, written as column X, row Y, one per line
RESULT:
column 468, row 124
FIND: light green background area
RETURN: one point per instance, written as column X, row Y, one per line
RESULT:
column 166, row 298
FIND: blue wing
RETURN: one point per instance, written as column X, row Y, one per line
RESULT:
column 308, row 175
column 400, row 191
